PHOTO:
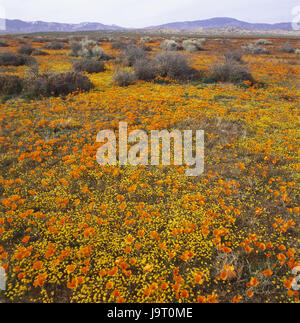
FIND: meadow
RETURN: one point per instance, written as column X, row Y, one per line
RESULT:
column 72, row 231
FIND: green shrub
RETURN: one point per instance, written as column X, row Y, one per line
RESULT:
column 57, row 84
column 170, row 45
column 263, row 42
column 3, row 44
column 131, row 54
column 76, row 47
column 255, row 49
column 174, row 66
column 146, row 48
column 146, row 69
column 170, row 65
column 30, row 61
column 95, row 52
column 192, row 45
column 89, row 66
column 86, row 42
column 9, row 58
column 12, row 59
column 230, row 72
column 234, row 56
column 10, row 84
column 124, row 76
column 46, row 40
column 146, row 39
column 55, row 46
column 38, row 52
column 86, row 48
column 119, row 45
column 287, row 48
column 26, row 49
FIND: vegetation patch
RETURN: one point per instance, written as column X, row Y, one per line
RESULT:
column 10, row 84
column 89, row 66
column 44, row 85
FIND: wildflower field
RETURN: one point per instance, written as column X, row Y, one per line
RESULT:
column 73, row 231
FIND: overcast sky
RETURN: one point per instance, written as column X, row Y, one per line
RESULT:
column 141, row 13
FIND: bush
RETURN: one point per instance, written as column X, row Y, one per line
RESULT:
column 145, row 69
column 96, row 53
column 2, row 44
column 174, row 66
column 75, row 48
column 192, row 45
column 170, row 45
column 57, row 84
column 86, row 42
column 146, row 48
column 124, row 77
column 38, row 52
column 131, row 54
column 287, row 48
column 255, row 49
column 230, row 72
column 12, row 59
column 46, row 40
column 170, row 65
column 84, row 48
column 145, row 40
column 102, row 40
column 234, row 56
column 26, row 49
column 89, row 66
column 41, row 39
column 9, row 58
column 10, row 84
column 132, row 41
column 119, row 45
column 263, row 42
column 55, row 46
column 30, row 61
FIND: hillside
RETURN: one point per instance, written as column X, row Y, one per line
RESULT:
column 223, row 22
column 19, row 26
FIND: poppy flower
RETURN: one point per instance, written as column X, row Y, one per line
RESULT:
column 268, row 273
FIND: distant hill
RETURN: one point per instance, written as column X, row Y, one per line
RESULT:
column 19, row 26
column 223, row 22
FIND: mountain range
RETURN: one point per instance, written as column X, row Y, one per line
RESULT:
column 19, row 26
column 224, row 22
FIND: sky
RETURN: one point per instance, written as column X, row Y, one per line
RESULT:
column 142, row 13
